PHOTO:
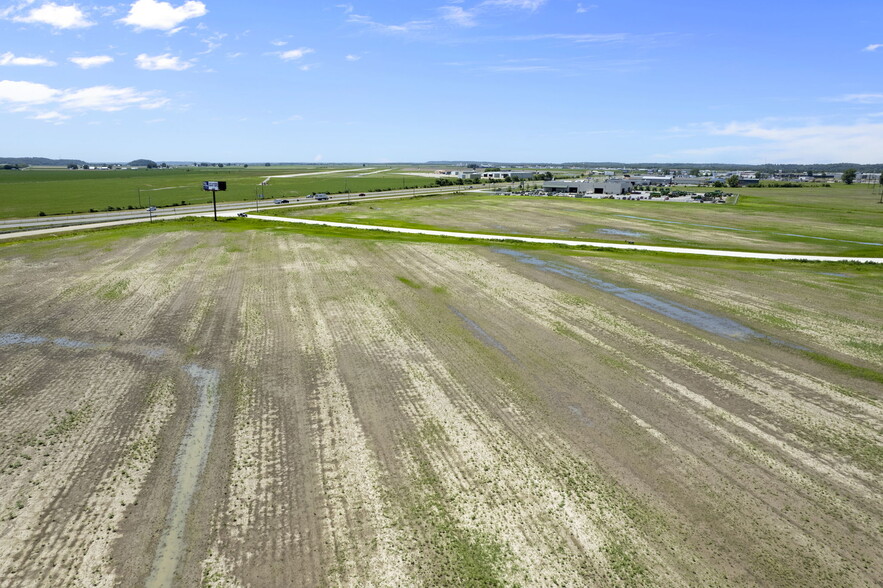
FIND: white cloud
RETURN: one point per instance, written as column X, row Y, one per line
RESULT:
column 48, row 104
column 150, row 14
column 408, row 27
column 10, row 59
column 26, row 92
column 292, row 118
column 520, row 4
column 108, row 99
column 279, row 43
column 212, row 42
column 90, row 62
column 860, row 98
column 873, row 47
column 161, row 62
column 580, row 9
column 576, row 38
column 60, row 17
column 858, row 142
column 458, row 16
column 51, row 116
column 353, row 57
column 295, row 54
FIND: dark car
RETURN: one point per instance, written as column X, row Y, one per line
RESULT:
column 242, row 214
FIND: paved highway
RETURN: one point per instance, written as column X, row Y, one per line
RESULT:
column 193, row 209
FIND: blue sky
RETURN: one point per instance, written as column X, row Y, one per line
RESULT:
column 396, row 81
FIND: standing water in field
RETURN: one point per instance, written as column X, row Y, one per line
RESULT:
column 191, row 459
column 481, row 334
column 701, row 320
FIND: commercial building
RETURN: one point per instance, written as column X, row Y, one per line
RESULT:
column 508, row 174
column 582, row 188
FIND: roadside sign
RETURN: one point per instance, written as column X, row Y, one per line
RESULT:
column 214, row 186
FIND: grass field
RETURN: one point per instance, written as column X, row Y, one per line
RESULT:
column 842, row 220
column 61, row 191
column 304, row 406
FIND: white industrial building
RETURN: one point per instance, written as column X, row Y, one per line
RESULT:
column 463, row 175
column 581, row 188
column 508, row 174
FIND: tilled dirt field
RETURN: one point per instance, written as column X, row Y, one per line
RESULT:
column 259, row 408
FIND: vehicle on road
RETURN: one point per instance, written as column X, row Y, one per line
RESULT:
column 242, row 214
column 322, row 197
column 151, row 208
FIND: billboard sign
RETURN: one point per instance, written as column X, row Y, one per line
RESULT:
column 214, row 186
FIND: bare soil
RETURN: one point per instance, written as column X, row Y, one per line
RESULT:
column 262, row 408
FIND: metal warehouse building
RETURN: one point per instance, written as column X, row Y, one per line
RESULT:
column 586, row 187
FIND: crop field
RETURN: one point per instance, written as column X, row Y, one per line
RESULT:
column 237, row 404
column 845, row 220
column 29, row 192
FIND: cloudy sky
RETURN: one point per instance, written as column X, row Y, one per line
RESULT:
column 394, row 81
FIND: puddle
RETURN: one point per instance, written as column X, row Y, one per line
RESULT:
column 7, row 339
column 192, row 454
column 191, row 459
column 620, row 232
column 578, row 413
column 71, row 344
column 20, row 339
column 668, row 222
column 482, row 335
column 705, row 321
column 836, row 275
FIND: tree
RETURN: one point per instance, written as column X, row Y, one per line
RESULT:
column 73, row 166
column 848, row 176
column 695, row 172
column 733, row 181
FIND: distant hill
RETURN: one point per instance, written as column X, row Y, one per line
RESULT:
column 142, row 163
column 40, row 161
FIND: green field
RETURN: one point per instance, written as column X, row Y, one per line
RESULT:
column 29, row 192
column 840, row 220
